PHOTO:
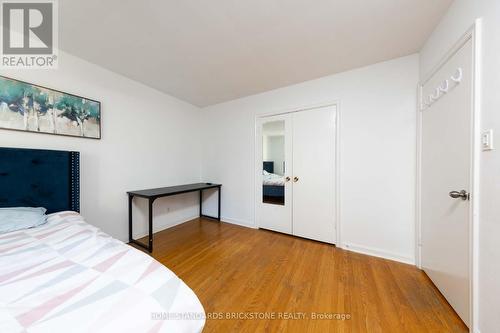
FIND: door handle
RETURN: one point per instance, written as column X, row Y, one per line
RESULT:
column 287, row 179
column 464, row 195
column 295, row 179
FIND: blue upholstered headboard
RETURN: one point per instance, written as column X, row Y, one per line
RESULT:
column 40, row 178
column 268, row 166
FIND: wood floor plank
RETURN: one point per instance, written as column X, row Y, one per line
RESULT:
column 237, row 270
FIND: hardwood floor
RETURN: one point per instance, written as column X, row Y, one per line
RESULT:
column 244, row 272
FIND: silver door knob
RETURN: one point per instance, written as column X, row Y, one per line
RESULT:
column 295, row 179
column 464, row 195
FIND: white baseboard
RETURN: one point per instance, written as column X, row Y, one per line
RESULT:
column 376, row 253
column 239, row 222
column 346, row 246
column 158, row 228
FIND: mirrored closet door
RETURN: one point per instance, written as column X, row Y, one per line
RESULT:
column 274, row 172
column 295, row 168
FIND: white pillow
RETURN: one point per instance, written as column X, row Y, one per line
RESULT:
column 17, row 218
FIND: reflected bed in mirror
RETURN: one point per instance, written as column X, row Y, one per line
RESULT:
column 273, row 187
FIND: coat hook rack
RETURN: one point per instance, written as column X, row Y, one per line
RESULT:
column 457, row 77
column 444, row 87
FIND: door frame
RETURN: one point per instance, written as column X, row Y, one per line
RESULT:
column 474, row 34
column 258, row 159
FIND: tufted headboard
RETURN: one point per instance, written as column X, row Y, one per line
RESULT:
column 268, row 166
column 40, row 178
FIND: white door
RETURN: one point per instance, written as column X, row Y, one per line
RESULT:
column 274, row 169
column 314, row 174
column 446, row 179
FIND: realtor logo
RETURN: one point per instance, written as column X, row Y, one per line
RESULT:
column 29, row 34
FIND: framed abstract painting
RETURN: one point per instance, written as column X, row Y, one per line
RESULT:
column 32, row 108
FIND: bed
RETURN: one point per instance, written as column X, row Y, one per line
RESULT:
column 67, row 275
column 273, row 189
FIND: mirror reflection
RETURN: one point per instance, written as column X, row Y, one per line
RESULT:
column 273, row 164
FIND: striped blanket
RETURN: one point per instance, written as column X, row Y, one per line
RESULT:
column 68, row 276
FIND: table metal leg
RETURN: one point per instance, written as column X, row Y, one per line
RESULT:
column 130, row 199
column 218, row 202
column 149, row 245
column 150, row 248
column 218, row 207
column 201, row 203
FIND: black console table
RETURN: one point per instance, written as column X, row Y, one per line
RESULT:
column 155, row 193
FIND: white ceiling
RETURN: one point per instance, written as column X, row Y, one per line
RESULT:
column 207, row 52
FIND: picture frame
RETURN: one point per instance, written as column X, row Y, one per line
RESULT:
column 34, row 108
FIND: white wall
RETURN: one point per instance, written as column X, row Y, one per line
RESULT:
column 456, row 22
column 378, row 108
column 149, row 139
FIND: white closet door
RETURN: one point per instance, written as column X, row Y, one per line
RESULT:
column 274, row 187
column 314, row 174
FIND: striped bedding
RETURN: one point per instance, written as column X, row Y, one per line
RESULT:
column 68, row 276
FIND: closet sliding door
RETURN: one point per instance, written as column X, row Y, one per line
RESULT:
column 274, row 170
column 314, row 174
